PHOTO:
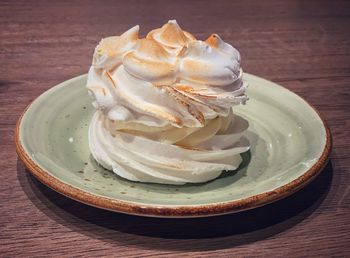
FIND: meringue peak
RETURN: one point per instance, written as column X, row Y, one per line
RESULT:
column 214, row 40
column 110, row 50
column 165, row 58
column 116, row 44
column 172, row 35
column 151, row 49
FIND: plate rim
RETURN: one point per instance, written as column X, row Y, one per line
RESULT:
column 180, row 211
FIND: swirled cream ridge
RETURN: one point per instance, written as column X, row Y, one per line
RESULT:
column 164, row 106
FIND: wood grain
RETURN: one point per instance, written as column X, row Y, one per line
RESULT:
column 303, row 45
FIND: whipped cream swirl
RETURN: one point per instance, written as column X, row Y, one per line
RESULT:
column 164, row 106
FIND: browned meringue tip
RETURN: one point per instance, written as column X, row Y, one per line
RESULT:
column 167, row 57
column 151, row 48
column 115, row 44
column 171, row 35
column 213, row 40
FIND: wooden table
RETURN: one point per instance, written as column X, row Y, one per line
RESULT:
column 303, row 45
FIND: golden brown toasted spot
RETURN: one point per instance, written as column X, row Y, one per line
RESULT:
column 191, row 95
column 151, row 48
column 163, row 114
column 186, row 102
column 197, row 114
column 133, row 37
column 171, row 33
column 113, row 68
column 188, row 36
column 172, row 93
column 183, row 88
column 156, row 67
column 213, row 41
column 173, row 119
column 195, row 65
column 114, row 45
column 111, row 46
column 109, row 76
column 108, row 46
column 158, row 72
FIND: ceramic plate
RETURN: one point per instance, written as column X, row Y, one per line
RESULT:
column 290, row 146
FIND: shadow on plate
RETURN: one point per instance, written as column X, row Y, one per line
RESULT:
column 195, row 234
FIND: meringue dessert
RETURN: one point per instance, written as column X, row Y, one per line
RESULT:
column 164, row 106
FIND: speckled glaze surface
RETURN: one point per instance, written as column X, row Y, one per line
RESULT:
column 290, row 145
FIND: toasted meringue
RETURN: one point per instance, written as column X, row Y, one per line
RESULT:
column 164, row 106
column 110, row 51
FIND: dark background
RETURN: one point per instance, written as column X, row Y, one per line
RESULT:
column 302, row 45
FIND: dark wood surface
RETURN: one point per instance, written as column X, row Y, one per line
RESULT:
column 303, row 45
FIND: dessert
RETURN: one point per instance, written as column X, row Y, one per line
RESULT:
column 164, row 106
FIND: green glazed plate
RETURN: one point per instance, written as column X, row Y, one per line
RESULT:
column 290, row 146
